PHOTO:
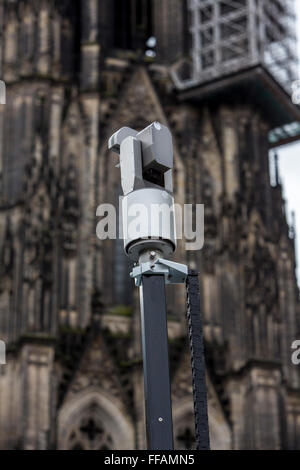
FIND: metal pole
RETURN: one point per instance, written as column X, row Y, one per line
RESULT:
column 159, row 426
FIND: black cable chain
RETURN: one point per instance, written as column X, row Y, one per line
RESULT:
column 197, row 361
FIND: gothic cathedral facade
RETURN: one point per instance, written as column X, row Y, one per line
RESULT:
column 75, row 72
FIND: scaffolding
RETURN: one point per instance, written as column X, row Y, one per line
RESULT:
column 229, row 36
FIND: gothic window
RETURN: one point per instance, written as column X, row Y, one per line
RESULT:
column 14, row 156
column 26, row 35
column 90, row 434
column 11, row 40
column 133, row 23
column 70, row 36
column 67, row 47
column 185, row 436
column 93, row 421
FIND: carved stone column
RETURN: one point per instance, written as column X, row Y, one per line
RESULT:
column 37, row 366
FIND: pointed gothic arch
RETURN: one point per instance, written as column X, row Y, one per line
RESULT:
column 93, row 421
column 184, row 430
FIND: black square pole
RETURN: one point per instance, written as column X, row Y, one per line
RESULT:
column 159, row 425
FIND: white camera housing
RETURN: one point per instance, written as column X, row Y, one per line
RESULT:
column 146, row 163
